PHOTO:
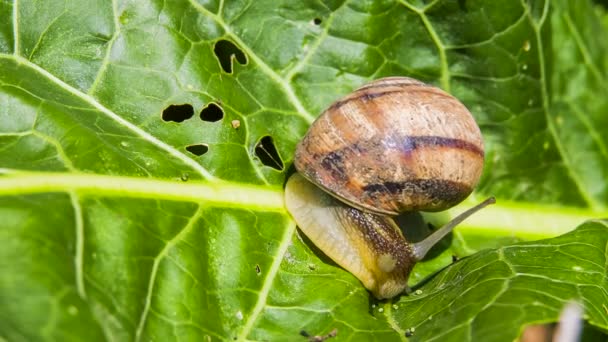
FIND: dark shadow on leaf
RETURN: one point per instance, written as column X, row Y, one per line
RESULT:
column 317, row 252
column 430, row 277
column 463, row 5
column 603, row 3
column 290, row 171
column 415, row 229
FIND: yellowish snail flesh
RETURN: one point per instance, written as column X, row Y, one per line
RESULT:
column 392, row 146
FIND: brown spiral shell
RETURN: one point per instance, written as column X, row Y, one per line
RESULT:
column 394, row 145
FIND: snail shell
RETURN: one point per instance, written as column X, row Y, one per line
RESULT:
column 394, row 145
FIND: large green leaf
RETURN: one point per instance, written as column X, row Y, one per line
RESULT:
column 128, row 213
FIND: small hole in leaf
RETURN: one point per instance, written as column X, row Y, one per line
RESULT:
column 267, row 152
column 226, row 51
column 317, row 21
column 212, row 113
column 198, row 149
column 178, row 113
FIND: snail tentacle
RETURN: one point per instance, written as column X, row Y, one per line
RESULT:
column 422, row 247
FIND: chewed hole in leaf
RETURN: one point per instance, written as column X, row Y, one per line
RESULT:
column 178, row 113
column 226, row 51
column 268, row 154
column 317, row 21
column 198, row 149
column 212, row 113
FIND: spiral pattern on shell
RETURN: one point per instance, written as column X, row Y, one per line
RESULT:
column 394, row 145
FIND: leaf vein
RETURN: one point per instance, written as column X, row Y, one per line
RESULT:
column 104, row 64
column 545, row 102
column 16, row 46
column 79, row 252
column 43, row 33
column 259, row 62
column 315, row 46
column 441, row 49
column 152, row 280
column 135, row 129
column 269, row 280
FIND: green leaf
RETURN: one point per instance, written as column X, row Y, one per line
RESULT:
column 144, row 146
column 484, row 296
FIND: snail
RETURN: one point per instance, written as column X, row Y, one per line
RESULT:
column 392, row 146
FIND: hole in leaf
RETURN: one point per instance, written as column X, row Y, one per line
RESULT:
column 198, row 149
column 317, row 21
column 226, row 51
column 267, row 152
column 212, row 113
column 178, row 113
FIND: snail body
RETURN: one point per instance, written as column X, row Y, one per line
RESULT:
column 391, row 146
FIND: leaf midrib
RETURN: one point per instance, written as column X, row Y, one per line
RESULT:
column 218, row 193
column 514, row 219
